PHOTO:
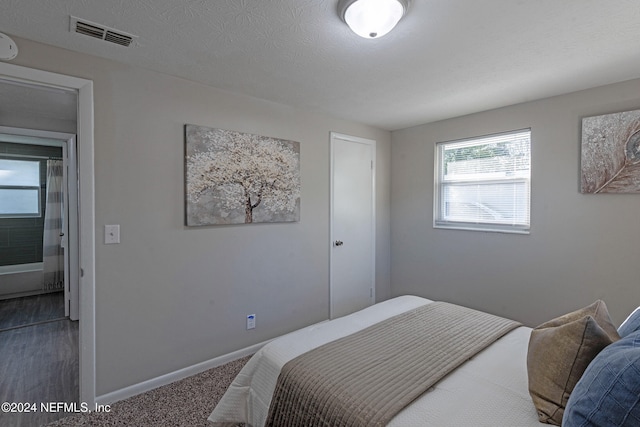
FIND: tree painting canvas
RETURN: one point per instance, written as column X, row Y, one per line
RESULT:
column 611, row 153
column 240, row 178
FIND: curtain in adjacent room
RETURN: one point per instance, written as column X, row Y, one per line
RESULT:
column 52, row 254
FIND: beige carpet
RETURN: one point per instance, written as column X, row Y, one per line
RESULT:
column 187, row 402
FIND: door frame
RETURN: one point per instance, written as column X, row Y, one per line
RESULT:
column 85, row 262
column 372, row 143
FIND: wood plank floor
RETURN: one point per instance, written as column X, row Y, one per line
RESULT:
column 38, row 363
column 33, row 309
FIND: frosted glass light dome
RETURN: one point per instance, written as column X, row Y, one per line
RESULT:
column 8, row 48
column 372, row 19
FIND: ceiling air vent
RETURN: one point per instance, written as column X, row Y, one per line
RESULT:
column 97, row 31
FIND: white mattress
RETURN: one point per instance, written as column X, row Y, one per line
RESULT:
column 488, row 390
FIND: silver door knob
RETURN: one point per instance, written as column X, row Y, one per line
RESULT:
column 339, row 243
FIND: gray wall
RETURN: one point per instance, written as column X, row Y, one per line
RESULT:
column 35, row 121
column 170, row 296
column 581, row 247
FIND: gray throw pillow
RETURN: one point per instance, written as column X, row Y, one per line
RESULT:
column 559, row 352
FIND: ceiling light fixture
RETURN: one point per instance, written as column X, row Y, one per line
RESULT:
column 372, row 19
column 8, row 48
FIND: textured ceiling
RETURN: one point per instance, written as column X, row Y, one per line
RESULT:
column 446, row 57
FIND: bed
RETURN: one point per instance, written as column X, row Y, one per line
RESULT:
column 489, row 389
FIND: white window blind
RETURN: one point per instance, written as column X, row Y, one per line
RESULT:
column 19, row 188
column 484, row 183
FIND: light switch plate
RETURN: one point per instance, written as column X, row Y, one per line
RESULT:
column 111, row 234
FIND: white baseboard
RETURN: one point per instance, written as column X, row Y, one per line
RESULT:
column 114, row 396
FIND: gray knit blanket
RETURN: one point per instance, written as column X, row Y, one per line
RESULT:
column 366, row 378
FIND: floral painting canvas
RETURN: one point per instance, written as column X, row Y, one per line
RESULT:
column 240, row 178
column 611, row 153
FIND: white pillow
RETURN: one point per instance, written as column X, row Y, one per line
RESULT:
column 631, row 323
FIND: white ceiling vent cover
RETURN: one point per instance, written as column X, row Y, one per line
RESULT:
column 99, row 31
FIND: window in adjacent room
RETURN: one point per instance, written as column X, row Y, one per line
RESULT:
column 19, row 188
column 483, row 183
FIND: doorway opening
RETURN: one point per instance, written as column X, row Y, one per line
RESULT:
column 82, row 262
column 26, row 298
column 38, row 287
column 39, row 223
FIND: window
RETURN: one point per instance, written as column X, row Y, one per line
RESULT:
column 19, row 188
column 484, row 183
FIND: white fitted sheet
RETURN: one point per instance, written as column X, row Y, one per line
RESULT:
column 488, row 390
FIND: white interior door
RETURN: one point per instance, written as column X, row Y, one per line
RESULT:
column 352, row 258
column 72, row 268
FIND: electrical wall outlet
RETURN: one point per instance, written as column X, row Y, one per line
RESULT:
column 251, row 321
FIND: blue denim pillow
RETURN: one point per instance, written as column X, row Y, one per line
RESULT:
column 631, row 324
column 608, row 393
